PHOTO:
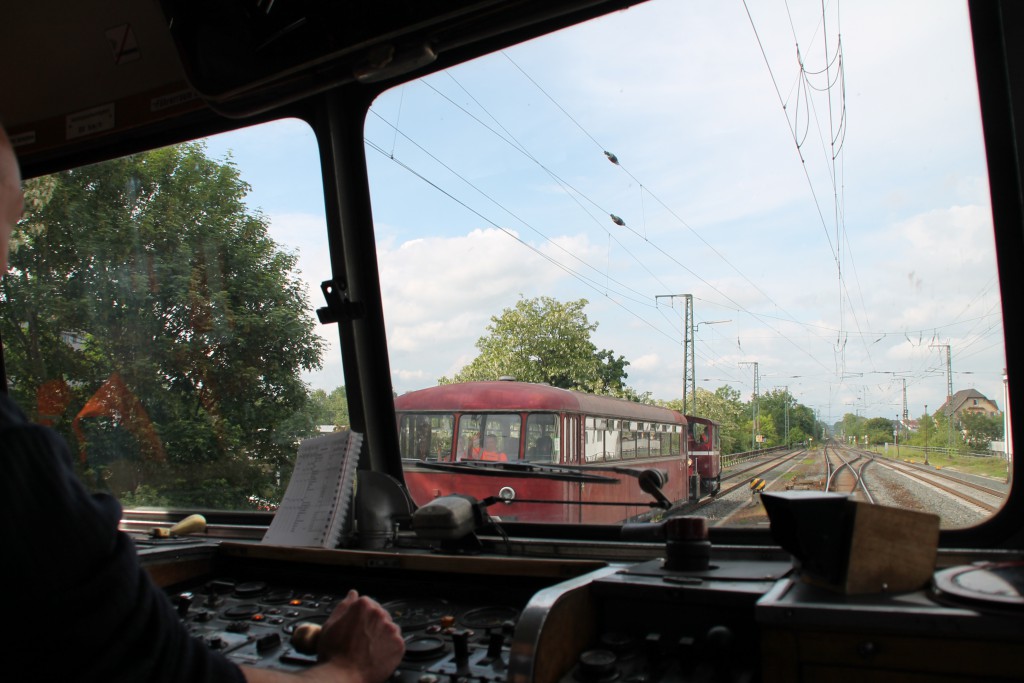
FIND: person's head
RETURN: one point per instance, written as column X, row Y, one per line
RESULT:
column 490, row 442
column 10, row 196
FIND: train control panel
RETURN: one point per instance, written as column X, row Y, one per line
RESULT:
column 688, row 613
column 262, row 605
column 260, row 623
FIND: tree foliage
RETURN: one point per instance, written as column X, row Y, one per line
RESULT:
column 547, row 341
column 979, row 429
column 331, row 409
column 152, row 268
column 879, row 430
column 778, row 408
column 724, row 407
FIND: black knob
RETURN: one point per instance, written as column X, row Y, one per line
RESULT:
column 494, row 644
column 460, row 639
column 719, row 638
column 687, row 547
column 182, row 602
column 652, row 648
column 267, row 642
column 598, row 666
column 617, row 642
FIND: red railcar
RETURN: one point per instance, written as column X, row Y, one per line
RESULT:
column 558, row 455
column 704, row 446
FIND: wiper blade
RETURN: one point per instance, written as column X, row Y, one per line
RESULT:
column 498, row 468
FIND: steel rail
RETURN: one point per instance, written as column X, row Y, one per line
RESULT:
column 930, row 479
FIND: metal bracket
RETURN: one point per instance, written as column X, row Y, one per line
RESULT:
column 338, row 307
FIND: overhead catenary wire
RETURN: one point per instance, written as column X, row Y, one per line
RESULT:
column 612, row 157
column 515, row 144
column 642, row 297
column 859, row 331
column 737, row 307
column 596, row 286
column 835, row 138
column 644, row 189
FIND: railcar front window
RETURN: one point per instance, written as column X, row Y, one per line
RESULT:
column 542, row 441
column 494, row 437
column 772, row 216
column 426, row 436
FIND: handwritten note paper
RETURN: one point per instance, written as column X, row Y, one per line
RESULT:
column 315, row 506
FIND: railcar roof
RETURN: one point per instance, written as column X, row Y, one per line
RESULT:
column 505, row 396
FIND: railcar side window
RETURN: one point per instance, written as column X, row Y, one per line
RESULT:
column 594, row 439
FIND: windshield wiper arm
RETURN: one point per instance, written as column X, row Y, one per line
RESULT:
column 650, row 480
column 496, row 468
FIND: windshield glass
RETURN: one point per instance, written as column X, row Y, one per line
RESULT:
column 738, row 246
column 159, row 314
column 774, row 217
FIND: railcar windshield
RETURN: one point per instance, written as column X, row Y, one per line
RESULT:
column 426, row 436
column 489, row 436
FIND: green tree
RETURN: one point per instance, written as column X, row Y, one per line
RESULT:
column 926, row 432
column 879, row 430
column 946, row 433
column 779, row 407
column 797, row 435
column 724, row 407
column 546, row 340
column 802, row 424
column 850, row 428
column 981, row 429
column 152, row 268
column 331, row 409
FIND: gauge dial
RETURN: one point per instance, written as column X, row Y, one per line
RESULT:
column 410, row 614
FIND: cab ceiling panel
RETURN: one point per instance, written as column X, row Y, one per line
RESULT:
column 93, row 71
column 80, row 69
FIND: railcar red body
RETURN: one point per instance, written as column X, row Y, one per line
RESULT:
column 565, row 456
column 705, row 448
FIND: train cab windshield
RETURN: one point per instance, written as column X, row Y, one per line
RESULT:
column 718, row 222
column 712, row 242
column 595, row 340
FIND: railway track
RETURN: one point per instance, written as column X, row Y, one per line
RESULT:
column 954, row 486
column 742, row 476
column 843, row 475
column 837, row 469
column 865, row 476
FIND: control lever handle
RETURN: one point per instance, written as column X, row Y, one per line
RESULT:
column 193, row 524
column 305, row 638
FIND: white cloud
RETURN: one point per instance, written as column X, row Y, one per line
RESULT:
column 715, row 196
column 440, row 293
column 645, row 363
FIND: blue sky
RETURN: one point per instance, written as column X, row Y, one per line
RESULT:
column 490, row 183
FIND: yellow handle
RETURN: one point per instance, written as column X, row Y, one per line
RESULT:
column 193, row 524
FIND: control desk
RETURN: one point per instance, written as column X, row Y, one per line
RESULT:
column 479, row 618
column 476, row 619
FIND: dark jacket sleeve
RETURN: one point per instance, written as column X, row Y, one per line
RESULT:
column 85, row 608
